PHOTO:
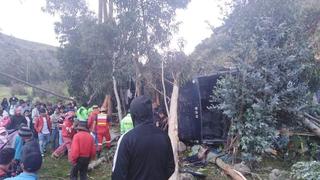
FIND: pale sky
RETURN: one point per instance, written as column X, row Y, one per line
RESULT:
column 24, row 19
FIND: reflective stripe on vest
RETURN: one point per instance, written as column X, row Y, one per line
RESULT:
column 102, row 120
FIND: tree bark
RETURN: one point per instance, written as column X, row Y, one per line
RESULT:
column 138, row 90
column 100, row 11
column 105, row 12
column 107, row 103
column 110, row 107
column 123, row 101
column 173, row 127
column 164, row 88
column 111, row 9
column 115, row 89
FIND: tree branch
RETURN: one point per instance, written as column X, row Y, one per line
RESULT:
column 34, row 86
column 164, row 87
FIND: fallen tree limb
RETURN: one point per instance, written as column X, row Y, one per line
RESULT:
column 312, row 118
column 96, row 163
column 228, row 169
column 300, row 134
column 314, row 128
column 34, row 86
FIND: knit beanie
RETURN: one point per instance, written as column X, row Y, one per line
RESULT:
column 6, row 155
column 25, row 131
column 31, row 160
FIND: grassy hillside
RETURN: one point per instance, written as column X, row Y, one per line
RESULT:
column 27, row 60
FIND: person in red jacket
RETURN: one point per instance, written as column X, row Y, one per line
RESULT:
column 102, row 130
column 83, row 150
column 43, row 127
column 67, row 134
column 92, row 118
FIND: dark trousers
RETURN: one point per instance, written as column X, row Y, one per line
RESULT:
column 80, row 167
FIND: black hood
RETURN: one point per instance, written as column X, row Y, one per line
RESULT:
column 141, row 110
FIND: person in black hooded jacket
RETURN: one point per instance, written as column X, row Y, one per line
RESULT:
column 17, row 120
column 145, row 152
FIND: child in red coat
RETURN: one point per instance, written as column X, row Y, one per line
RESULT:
column 83, row 150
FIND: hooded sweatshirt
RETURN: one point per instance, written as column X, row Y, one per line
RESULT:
column 144, row 152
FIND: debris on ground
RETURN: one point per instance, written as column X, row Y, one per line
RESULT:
column 277, row 174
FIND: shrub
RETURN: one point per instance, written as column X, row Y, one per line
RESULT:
column 306, row 170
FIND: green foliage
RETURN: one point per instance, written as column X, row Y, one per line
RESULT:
column 146, row 24
column 86, row 50
column 87, row 59
column 299, row 148
column 306, row 170
column 269, row 47
column 177, row 66
column 123, row 46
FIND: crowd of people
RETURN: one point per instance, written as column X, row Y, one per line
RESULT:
column 27, row 129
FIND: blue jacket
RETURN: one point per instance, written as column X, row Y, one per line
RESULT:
column 18, row 147
column 24, row 176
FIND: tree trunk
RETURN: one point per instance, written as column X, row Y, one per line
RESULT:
column 173, row 127
column 111, row 9
column 157, row 98
column 164, row 88
column 107, row 103
column 138, row 91
column 110, row 107
column 123, row 101
column 105, row 12
column 100, row 11
column 115, row 89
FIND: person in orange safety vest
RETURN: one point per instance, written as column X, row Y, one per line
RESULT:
column 102, row 130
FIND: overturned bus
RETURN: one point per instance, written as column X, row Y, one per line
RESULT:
column 198, row 124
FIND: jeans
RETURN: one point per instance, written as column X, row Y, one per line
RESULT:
column 55, row 138
column 44, row 140
column 80, row 167
column 60, row 137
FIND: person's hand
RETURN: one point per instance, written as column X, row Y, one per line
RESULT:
column 15, row 162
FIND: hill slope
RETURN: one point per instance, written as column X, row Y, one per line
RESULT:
column 27, row 60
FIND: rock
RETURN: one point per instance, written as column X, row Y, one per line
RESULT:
column 96, row 163
column 210, row 157
column 186, row 176
column 195, row 149
column 274, row 175
column 181, row 147
column 277, row 174
column 241, row 167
